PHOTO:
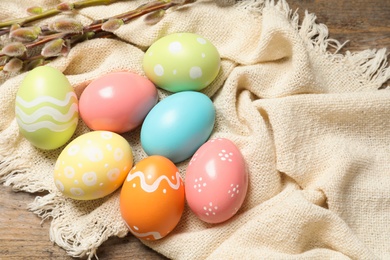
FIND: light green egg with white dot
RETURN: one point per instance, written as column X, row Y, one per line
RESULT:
column 182, row 62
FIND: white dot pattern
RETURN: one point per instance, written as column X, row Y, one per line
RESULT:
column 95, row 154
column 113, row 174
column 89, row 178
column 216, row 187
column 118, row 154
column 193, row 159
column 183, row 62
column 234, row 190
column 175, row 47
column 59, row 185
column 106, row 135
column 225, row 156
column 77, row 192
column 69, row 172
column 195, row 72
column 199, row 184
column 159, row 70
column 93, row 167
column 73, row 150
column 210, row 209
column 201, row 40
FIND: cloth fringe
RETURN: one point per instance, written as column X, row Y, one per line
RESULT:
column 371, row 65
column 49, row 206
column 78, row 243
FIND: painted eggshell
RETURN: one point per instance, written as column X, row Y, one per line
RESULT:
column 178, row 125
column 182, row 61
column 117, row 101
column 152, row 198
column 93, row 165
column 216, row 181
column 46, row 108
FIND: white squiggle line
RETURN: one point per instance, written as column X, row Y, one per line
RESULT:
column 46, row 124
column 48, row 99
column 151, row 188
column 156, row 235
column 45, row 111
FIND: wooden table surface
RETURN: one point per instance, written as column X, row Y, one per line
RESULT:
column 365, row 23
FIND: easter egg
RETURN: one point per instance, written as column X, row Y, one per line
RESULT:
column 178, row 125
column 93, row 165
column 182, row 61
column 216, row 181
column 117, row 101
column 46, row 108
column 152, row 198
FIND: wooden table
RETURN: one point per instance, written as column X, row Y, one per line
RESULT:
column 365, row 23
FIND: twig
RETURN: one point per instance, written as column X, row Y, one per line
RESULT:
column 54, row 11
column 49, row 39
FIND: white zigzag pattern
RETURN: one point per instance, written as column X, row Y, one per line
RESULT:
column 155, row 234
column 44, row 99
column 46, row 124
column 44, row 111
column 151, row 188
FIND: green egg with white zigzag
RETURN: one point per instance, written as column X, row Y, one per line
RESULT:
column 46, row 108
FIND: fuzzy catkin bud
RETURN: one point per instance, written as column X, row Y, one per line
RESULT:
column 66, row 47
column 112, row 25
column 36, row 29
column 25, row 34
column 3, row 60
column 14, row 65
column 14, row 27
column 66, row 25
column 34, row 63
column 155, row 17
column 14, row 49
column 52, row 48
column 63, row 7
column 34, row 10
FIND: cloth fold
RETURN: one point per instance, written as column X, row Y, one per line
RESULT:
column 312, row 125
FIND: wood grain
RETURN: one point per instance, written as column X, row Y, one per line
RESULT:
column 365, row 23
column 22, row 236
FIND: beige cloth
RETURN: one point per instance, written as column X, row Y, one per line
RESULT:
column 313, row 127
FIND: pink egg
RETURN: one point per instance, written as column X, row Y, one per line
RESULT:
column 216, row 181
column 117, row 102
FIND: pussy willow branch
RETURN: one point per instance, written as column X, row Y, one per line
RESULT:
column 94, row 30
column 54, row 11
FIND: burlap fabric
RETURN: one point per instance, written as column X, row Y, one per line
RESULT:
column 312, row 125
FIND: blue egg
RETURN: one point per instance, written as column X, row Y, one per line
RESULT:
column 178, row 125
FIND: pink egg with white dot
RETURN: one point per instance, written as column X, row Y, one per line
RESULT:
column 216, row 181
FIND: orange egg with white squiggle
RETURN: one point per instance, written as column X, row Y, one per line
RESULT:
column 152, row 198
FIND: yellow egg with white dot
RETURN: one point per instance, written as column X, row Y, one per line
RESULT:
column 93, row 165
column 182, row 62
